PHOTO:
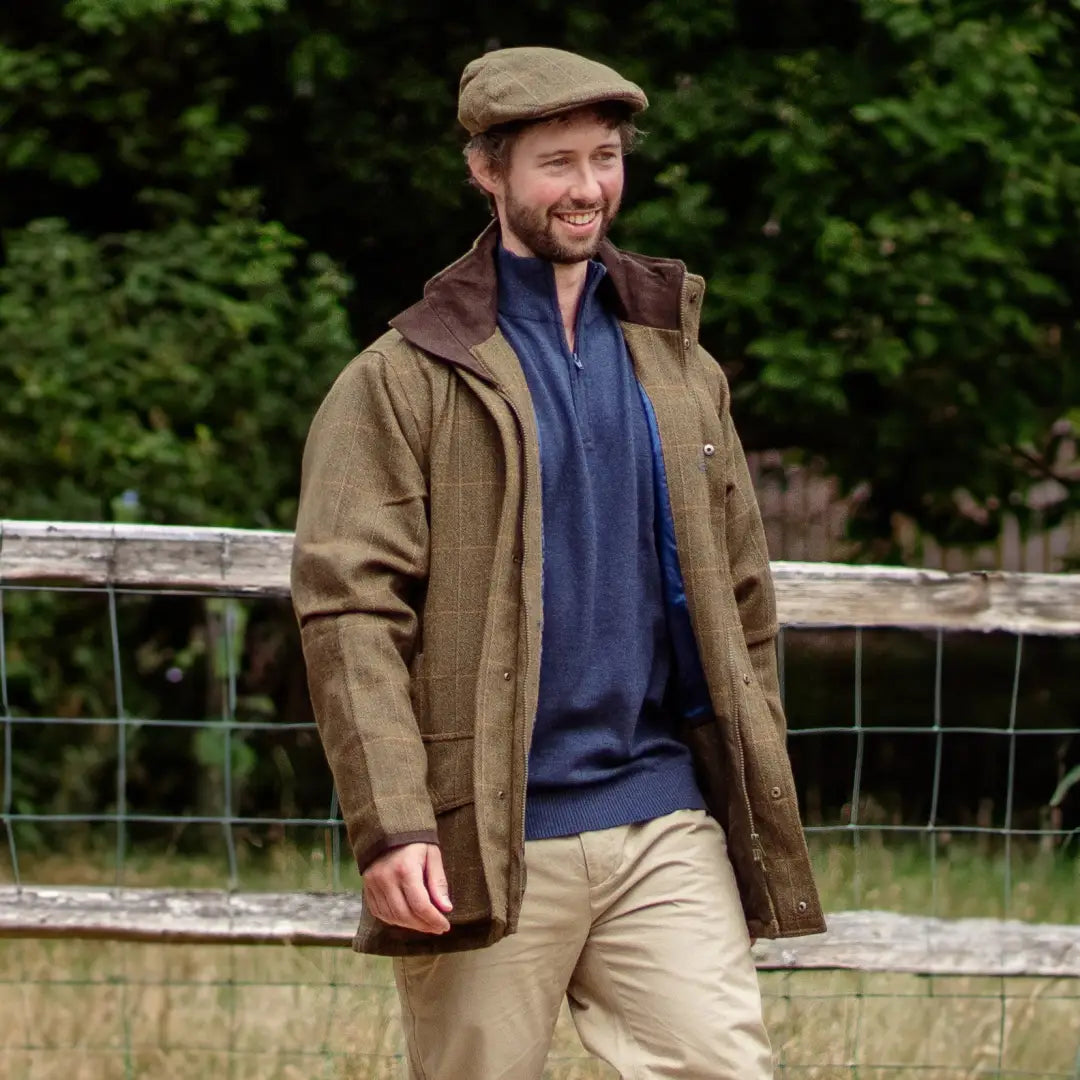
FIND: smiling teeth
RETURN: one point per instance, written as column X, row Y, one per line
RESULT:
column 578, row 219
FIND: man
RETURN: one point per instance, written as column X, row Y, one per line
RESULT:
column 540, row 629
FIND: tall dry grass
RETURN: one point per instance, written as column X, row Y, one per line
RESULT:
column 99, row 1010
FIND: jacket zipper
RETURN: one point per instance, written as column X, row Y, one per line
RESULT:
column 520, row 846
column 684, row 294
column 757, row 851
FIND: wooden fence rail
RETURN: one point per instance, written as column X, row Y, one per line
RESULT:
column 248, row 563
column 856, row 940
column 243, row 562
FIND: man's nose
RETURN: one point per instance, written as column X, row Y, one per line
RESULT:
column 586, row 186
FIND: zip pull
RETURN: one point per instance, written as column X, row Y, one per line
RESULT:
column 757, row 850
column 577, row 363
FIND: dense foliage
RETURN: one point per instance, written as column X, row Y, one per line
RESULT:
column 166, row 373
column 208, row 203
column 883, row 197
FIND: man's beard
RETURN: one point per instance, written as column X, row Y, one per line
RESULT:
column 535, row 228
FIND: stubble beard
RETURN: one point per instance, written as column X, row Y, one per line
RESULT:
column 535, row 228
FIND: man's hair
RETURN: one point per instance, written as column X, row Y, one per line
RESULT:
column 496, row 143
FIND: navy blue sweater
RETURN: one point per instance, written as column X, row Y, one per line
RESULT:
column 603, row 752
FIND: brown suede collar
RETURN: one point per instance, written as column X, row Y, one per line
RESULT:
column 460, row 303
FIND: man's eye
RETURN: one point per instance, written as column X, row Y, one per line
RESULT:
column 557, row 162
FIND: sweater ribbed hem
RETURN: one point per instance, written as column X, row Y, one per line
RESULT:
column 634, row 795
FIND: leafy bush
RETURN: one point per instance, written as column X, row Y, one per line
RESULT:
column 156, row 375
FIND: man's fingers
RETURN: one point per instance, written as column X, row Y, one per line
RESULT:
column 420, row 906
column 391, row 903
column 396, row 889
column 435, row 877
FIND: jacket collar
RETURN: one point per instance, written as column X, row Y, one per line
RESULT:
column 460, row 305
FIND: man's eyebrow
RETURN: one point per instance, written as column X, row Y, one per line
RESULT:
column 611, row 145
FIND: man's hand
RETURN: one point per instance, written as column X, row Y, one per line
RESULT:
column 406, row 886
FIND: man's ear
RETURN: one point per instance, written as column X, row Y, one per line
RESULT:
column 483, row 173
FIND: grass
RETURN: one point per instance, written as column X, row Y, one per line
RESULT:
column 963, row 880
column 97, row 1010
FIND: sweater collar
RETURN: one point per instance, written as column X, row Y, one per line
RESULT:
column 527, row 289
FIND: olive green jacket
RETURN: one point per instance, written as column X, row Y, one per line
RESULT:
column 417, row 582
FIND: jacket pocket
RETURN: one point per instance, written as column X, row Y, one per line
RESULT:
column 449, row 769
column 450, row 786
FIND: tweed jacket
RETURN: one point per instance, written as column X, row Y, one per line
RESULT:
column 417, row 582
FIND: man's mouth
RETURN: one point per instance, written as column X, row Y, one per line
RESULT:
column 578, row 218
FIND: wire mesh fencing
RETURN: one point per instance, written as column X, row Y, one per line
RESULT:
column 157, row 736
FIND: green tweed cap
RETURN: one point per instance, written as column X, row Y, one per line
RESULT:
column 532, row 82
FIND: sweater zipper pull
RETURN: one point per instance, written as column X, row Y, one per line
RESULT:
column 577, row 363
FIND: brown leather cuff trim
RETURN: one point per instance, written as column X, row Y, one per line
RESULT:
column 366, row 857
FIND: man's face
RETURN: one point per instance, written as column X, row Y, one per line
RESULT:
column 561, row 189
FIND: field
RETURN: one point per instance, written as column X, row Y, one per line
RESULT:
column 97, row 1010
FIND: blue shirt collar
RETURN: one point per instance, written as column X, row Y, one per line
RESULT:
column 527, row 288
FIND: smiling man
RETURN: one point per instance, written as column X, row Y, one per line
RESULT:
column 540, row 629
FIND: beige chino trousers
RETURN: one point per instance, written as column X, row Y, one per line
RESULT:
column 641, row 928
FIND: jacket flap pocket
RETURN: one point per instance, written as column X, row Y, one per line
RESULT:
column 450, row 770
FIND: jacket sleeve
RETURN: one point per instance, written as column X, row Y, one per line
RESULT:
column 359, row 564
column 748, row 554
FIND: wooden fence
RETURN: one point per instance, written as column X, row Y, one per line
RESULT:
column 806, row 517
column 256, row 564
column 252, row 563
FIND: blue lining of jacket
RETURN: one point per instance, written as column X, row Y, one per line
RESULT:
column 694, row 703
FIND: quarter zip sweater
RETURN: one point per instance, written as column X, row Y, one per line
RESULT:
column 603, row 750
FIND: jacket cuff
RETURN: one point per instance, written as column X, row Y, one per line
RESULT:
column 369, row 854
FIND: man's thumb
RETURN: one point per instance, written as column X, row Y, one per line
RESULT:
column 436, row 879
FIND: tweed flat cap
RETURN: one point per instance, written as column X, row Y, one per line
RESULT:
column 530, row 83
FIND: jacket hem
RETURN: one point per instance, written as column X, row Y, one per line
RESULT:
column 397, row 941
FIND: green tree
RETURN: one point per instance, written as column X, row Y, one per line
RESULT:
column 882, row 196
column 885, row 212
column 157, row 375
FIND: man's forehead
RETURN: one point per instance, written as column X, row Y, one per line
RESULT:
column 570, row 132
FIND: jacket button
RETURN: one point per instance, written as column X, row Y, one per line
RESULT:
column 506, row 675
column 801, row 907
column 746, row 678
column 686, row 343
column 775, row 793
column 709, row 449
